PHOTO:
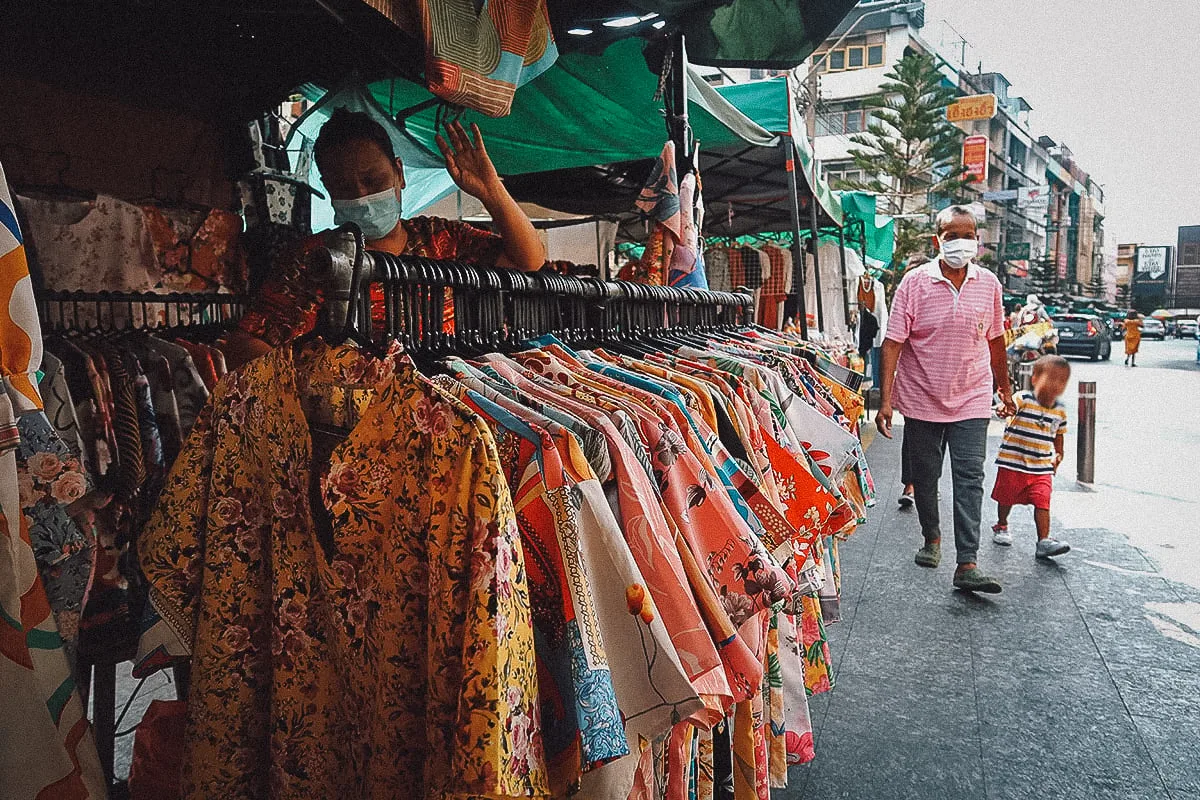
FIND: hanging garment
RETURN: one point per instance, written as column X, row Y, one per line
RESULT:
column 47, row 748
column 477, row 55
column 91, row 245
column 716, row 263
column 394, row 605
column 197, row 251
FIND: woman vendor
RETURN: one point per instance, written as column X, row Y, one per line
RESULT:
column 365, row 179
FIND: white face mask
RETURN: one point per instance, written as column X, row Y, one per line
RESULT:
column 958, row 252
column 377, row 214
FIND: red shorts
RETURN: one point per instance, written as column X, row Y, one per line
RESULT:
column 1022, row 489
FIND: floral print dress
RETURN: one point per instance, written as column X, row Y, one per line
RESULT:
column 362, row 631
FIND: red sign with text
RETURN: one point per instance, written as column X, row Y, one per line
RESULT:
column 975, row 158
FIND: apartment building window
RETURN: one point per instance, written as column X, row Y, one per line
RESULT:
column 842, row 120
column 836, row 176
column 860, row 53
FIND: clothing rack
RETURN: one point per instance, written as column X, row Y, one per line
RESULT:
column 499, row 310
column 116, row 311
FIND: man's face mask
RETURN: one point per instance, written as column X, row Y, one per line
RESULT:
column 958, row 252
column 377, row 214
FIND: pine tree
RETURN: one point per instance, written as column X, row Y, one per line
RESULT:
column 910, row 152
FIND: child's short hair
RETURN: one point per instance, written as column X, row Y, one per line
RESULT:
column 1051, row 362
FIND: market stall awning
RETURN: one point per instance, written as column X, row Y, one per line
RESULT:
column 586, row 110
column 769, row 34
column 769, row 103
column 878, row 231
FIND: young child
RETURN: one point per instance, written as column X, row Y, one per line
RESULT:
column 1030, row 453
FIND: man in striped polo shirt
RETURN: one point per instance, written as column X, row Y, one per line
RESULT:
column 942, row 358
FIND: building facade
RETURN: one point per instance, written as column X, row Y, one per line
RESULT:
column 1186, row 289
column 1039, row 203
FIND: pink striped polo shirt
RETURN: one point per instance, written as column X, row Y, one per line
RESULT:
column 944, row 373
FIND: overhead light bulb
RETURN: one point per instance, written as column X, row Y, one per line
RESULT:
column 581, row 31
column 658, row 26
column 622, row 22
column 648, row 17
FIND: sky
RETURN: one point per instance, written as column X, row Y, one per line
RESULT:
column 1118, row 82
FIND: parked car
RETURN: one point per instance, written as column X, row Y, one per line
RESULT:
column 1186, row 328
column 1153, row 329
column 1083, row 335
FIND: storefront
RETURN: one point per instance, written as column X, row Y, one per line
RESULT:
column 578, row 536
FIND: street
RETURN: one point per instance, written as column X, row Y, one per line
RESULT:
column 1081, row 679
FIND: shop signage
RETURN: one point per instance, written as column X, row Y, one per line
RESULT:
column 1061, row 263
column 997, row 197
column 1018, row 269
column 1152, row 262
column 1033, row 198
column 1017, row 251
column 975, row 158
column 965, row 109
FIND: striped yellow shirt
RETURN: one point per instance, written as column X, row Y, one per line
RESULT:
column 1028, row 444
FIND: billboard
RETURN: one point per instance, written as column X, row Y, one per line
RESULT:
column 1033, row 198
column 1152, row 262
column 975, row 158
column 977, row 106
column 1152, row 271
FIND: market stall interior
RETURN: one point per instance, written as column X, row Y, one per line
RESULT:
column 644, row 468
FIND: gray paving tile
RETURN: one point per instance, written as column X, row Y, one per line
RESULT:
column 1178, row 794
column 1050, row 784
column 1174, row 744
column 1053, row 624
column 883, row 654
column 1006, row 669
column 1127, row 636
column 900, row 769
column 934, row 706
column 1070, row 746
column 1152, row 691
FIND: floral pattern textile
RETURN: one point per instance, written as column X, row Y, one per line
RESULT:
column 47, row 748
column 388, row 614
column 51, row 478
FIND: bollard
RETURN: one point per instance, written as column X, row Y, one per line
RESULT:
column 1086, row 436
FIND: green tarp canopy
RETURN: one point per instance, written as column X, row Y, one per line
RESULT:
column 769, row 103
column 878, row 231
column 584, row 111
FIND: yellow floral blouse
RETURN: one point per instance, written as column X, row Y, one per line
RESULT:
column 362, row 634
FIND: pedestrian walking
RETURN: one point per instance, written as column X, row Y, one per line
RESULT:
column 1133, row 337
column 943, row 353
column 1030, row 452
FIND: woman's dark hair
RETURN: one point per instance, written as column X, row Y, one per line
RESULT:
column 351, row 126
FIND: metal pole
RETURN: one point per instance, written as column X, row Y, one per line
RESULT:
column 816, row 240
column 845, row 284
column 678, row 123
column 798, row 260
column 1086, row 456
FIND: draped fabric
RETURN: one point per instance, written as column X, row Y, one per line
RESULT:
column 478, row 54
column 46, row 744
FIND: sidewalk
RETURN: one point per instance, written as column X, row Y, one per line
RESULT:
column 1081, row 680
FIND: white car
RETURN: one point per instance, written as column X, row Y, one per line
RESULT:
column 1153, row 329
column 1186, row 328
